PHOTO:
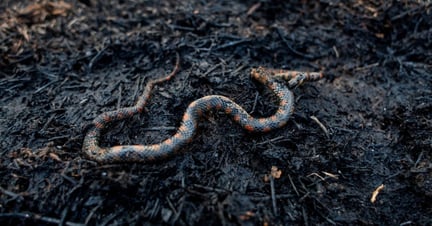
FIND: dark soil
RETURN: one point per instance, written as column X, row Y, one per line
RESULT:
column 63, row 63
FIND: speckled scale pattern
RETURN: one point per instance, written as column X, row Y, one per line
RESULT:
column 190, row 120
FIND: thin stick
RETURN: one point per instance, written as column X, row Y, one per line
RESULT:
column 315, row 119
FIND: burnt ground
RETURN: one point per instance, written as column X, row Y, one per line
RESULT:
column 63, row 63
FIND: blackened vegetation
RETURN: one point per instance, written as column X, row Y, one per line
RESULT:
column 63, row 63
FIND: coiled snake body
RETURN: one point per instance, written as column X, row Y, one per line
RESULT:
column 186, row 131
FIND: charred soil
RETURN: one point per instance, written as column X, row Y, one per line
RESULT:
column 367, row 123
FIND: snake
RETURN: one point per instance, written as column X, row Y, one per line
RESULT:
column 271, row 78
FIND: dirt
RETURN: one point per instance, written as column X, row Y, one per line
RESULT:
column 367, row 124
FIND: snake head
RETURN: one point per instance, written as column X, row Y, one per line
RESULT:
column 260, row 74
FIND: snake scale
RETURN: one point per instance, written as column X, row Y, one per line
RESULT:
column 195, row 110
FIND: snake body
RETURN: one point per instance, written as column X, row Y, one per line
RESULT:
column 195, row 110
